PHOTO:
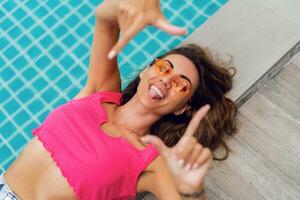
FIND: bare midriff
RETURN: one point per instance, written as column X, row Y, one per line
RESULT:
column 35, row 176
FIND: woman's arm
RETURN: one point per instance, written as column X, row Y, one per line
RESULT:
column 159, row 181
column 113, row 16
column 188, row 178
column 160, row 184
column 103, row 73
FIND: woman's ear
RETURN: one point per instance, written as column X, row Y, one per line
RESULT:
column 186, row 107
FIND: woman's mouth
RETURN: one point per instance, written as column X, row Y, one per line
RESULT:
column 155, row 92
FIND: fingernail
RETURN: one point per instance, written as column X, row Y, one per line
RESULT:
column 187, row 167
column 195, row 165
column 111, row 54
column 186, row 31
column 180, row 163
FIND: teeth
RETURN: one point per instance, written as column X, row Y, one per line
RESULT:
column 157, row 91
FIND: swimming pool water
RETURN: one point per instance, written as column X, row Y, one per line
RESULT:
column 44, row 56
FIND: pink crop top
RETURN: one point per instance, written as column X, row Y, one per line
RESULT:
column 96, row 165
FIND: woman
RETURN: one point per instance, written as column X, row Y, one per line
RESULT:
column 92, row 147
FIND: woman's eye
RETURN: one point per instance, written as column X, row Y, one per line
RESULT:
column 181, row 85
column 164, row 69
column 185, row 88
column 178, row 83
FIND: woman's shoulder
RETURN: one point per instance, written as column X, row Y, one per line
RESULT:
column 155, row 165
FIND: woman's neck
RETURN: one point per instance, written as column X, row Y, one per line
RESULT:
column 134, row 117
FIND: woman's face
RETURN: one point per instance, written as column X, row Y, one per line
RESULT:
column 160, row 93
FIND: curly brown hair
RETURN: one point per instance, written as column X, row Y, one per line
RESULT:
column 214, row 82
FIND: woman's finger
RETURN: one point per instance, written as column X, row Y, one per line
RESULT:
column 204, row 168
column 184, row 148
column 121, row 20
column 203, row 157
column 193, row 156
column 163, row 24
column 151, row 139
column 128, row 34
column 194, row 123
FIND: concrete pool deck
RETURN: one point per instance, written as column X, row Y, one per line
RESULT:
column 263, row 38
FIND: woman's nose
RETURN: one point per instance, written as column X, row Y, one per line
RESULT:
column 166, row 81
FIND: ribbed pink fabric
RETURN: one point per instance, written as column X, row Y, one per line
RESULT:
column 96, row 165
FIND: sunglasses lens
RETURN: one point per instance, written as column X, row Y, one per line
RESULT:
column 163, row 67
column 180, row 85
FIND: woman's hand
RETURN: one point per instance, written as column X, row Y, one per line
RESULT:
column 188, row 161
column 132, row 16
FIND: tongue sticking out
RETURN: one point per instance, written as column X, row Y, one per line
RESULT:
column 153, row 94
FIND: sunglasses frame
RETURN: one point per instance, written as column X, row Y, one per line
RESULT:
column 154, row 62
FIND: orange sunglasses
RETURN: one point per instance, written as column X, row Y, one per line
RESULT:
column 180, row 83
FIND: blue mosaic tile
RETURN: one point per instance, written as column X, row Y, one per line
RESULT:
column 82, row 30
column 29, row 73
column 25, row 95
column 152, row 47
column 9, row 5
column 20, row 62
column 4, row 153
column 43, row 116
column 2, row 116
column 53, row 3
column 70, row 40
column 46, row 41
column 22, row 117
column 4, row 94
column 10, row 52
column 11, row 106
column 15, row 32
column 24, row 41
column 43, row 61
column 19, row 13
column 6, row 23
column 34, row 52
column 37, row 32
column 28, row 129
column 6, row 74
column 32, row 4
column 49, row 95
column 50, row 21
column 41, row 12
column 27, row 22
column 53, row 72
column 73, row 19
column 9, row 162
column 56, row 51
column 18, row 142
column 3, row 42
column 211, row 9
column 54, row 46
column 81, row 50
column 60, row 30
column 39, row 84
column 66, row 61
column 16, row 84
column 76, row 71
column 36, row 105
column 62, row 11
column 7, row 129
column 63, row 83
